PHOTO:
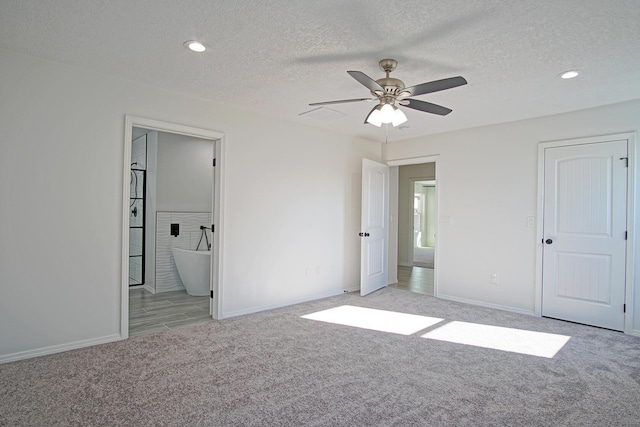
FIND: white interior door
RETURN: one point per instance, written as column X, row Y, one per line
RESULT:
column 585, row 190
column 374, row 227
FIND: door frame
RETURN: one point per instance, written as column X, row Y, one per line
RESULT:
column 218, row 139
column 438, row 178
column 633, row 224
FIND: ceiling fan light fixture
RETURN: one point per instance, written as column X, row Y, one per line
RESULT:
column 398, row 117
column 375, row 117
column 387, row 112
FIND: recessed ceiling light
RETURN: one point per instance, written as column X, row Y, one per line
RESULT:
column 195, row 46
column 570, row 74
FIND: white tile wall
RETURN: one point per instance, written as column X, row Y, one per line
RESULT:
column 167, row 277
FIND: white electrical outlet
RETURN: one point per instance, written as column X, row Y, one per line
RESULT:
column 494, row 278
column 531, row 221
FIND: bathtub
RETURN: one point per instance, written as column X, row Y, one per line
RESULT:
column 194, row 268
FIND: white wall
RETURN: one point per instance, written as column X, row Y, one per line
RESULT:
column 151, row 205
column 61, row 169
column 184, row 173
column 487, row 182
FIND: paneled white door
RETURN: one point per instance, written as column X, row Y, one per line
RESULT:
column 585, row 206
column 374, row 227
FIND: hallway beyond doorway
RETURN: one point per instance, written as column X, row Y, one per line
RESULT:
column 423, row 256
column 415, row 279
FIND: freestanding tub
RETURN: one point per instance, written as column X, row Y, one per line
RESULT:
column 194, row 268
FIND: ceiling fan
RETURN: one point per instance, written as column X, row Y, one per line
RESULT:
column 390, row 91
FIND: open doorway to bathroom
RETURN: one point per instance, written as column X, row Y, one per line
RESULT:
column 417, row 228
column 171, row 215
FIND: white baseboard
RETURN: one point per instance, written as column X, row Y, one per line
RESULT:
column 486, row 304
column 251, row 310
column 28, row 354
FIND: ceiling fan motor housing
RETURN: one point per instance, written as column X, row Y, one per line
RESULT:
column 391, row 86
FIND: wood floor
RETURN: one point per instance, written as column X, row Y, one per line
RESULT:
column 149, row 313
column 415, row 279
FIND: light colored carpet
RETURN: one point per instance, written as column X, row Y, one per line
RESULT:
column 423, row 257
column 275, row 368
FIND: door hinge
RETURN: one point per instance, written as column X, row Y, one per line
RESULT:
column 211, row 294
column 626, row 161
column 214, row 162
column 625, row 235
column 212, row 227
column 624, row 308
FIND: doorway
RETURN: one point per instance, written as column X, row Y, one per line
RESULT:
column 181, row 198
column 416, row 227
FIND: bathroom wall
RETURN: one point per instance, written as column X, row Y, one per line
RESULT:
column 150, row 237
column 184, row 173
column 180, row 190
column 167, row 277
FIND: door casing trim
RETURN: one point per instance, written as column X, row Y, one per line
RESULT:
column 416, row 161
column 217, row 237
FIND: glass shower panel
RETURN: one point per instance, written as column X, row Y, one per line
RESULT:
column 137, row 209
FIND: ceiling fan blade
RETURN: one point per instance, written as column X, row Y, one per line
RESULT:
column 342, row 101
column 435, row 86
column 427, row 107
column 366, row 81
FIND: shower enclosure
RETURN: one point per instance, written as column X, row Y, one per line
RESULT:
column 137, row 210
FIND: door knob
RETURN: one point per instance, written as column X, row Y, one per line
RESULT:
column 363, row 234
column 548, row 241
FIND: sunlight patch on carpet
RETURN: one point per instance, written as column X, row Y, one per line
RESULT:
column 506, row 339
column 377, row 320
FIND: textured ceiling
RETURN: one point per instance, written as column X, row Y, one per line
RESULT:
column 280, row 55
